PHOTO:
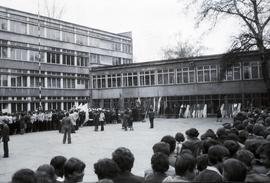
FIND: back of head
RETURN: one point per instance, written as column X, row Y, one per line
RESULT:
column 124, row 158
column 206, row 144
column 162, row 147
column 264, row 151
column 234, row 170
column 171, row 141
column 160, row 162
column 245, row 156
column 74, row 165
column 185, row 162
column 179, row 137
column 58, row 163
column 24, row 176
column 67, row 114
column 216, row 154
column 192, row 133
column 202, row 162
column 106, row 168
column 232, row 146
column 46, row 172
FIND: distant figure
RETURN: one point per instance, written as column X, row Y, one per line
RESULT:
column 219, row 115
column 5, row 137
column 67, row 126
column 102, row 119
column 151, row 118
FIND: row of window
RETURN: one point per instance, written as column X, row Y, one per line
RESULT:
column 20, row 51
column 53, row 31
column 52, row 82
column 200, row 74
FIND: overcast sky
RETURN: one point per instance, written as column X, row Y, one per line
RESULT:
column 155, row 24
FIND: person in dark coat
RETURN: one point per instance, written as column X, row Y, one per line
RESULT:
column 5, row 138
column 219, row 115
column 125, row 159
column 151, row 118
column 67, row 125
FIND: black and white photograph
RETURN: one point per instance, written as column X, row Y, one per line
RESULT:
column 134, row 91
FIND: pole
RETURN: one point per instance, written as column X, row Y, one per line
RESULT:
column 39, row 62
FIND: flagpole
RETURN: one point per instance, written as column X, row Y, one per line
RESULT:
column 39, row 62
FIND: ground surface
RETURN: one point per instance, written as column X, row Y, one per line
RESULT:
column 34, row 149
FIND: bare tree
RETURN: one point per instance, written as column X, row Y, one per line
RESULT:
column 182, row 49
column 53, row 10
column 253, row 15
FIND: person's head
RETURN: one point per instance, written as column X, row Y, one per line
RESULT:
column 74, row 170
column 192, row 133
column 259, row 130
column 162, row 147
column 252, row 145
column 209, row 134
column 185, row 165
column 202, row 162
column 106, row 168
column 179, row 137
column 67, row 114
column 245, row 156
column 234, row 170
column 243, row 135
column 171, row 141
column 45, row 174
column 216, row 154
column 58, row 163
column 232, row 146
column 264, row 152
column 206, row 144
column 160, row 162
column 24, row 176
column 123, row 158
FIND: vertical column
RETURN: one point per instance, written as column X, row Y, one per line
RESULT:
column 75, row 58
column 61, row 81
column 75, row 36
column 45, row 80
column 28, row 80
column 76, row 75
column 88, row 38
column 46, row 103
column 61, row 56
column 27, row 26
column 45, row 30
column 28, row 53
column 45, row 55
column 29, row 104
column 61, row 33
column 62, row 103
column 8, row 22
column 9, row 104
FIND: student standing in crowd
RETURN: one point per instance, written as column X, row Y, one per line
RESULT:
column 67, row 125
column 151, row 117
column 4, row 133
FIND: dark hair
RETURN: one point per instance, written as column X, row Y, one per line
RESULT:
column 67, row 114
column 192, row 133
column 58, row 163
column 206, row 144
column 258, row 130
column 216, row 154
column 124, row 158
column 171, row 141
column 252, row 145
column 162, row 147
column 264, row 149
column 160, row 162
column 232, row 146
column 73, row 165
column 209, row 134
column 179, row 137
column 45, row 174
column 245, row 156
column 234, row 170
column 202, row 162
column 243, row 135
column 184, row 162
column 24, row 176
column 106, row 168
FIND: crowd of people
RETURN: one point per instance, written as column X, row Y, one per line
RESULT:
column 237, row 151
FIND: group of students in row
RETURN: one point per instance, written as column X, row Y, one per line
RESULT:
column 238, row 151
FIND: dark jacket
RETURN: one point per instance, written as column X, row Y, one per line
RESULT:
column 127, row 177
column 208, row 176
column 151, row 114
column 5, row 133
column 66, row 122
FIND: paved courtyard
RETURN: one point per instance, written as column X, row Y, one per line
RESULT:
column 34, row 149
